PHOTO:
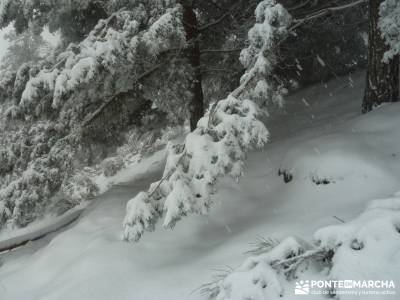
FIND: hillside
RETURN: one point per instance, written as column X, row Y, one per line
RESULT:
column 320, row 136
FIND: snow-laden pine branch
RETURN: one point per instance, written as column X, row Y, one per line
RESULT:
column 223, row 136
column 389, row 25
column 56, row 108
column 116, row 46
column 191, row 171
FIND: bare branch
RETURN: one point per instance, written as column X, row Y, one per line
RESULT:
column 205, row 51
column 324, row 12
column 220, row 19
column 298, row 6
column 205, row 71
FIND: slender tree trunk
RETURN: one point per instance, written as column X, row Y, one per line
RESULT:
column 196, row 105
column 382, row 84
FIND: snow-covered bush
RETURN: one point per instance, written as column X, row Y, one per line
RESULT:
column 79, row 187
column 219, row 144
column 389, row 25
column 352, row 250
column 32, row 179
column 112, row 166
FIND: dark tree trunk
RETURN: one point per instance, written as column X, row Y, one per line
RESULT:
column 382, row 84
column 196, row 105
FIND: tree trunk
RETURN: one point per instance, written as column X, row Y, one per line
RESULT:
column 382, row 84
column 196, row 106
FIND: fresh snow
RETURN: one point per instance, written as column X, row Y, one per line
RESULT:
column 12, row 237
column 328, row 139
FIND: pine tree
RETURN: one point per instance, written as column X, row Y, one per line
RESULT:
column 219, row 144
column 196, row 106
column 123, row 66
column 382, row 83
column 59, row 113
column 389, row 25
column 128, row 67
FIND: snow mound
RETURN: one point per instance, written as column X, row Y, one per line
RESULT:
column 366, row 148
column 257, row 278
column 365, row 249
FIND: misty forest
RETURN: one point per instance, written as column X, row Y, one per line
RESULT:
column 209, row 149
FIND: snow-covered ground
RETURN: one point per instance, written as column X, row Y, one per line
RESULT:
column 321, row 136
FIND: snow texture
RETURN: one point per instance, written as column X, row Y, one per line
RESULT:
column 363, row 249
column 89, row 261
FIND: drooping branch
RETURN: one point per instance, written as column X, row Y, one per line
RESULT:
column 299, row 6
column 324, row 12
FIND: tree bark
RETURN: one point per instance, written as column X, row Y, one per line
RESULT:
column 382, row 83
column 196, row 106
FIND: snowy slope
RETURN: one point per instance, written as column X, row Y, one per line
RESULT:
column 89, row 261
